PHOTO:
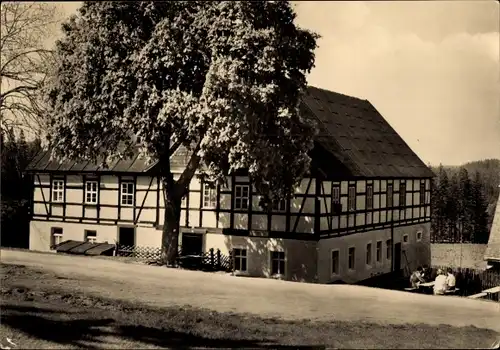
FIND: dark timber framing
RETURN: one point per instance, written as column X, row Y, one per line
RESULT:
column 233, row 185
column 346, row 221
column 201, row 205
column 98, row 197
column 217, row 208
column 136, row 219
column 302, row 205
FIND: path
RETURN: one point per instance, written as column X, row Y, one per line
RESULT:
column 290, row 300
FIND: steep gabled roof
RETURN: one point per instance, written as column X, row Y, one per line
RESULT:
column 353, row 140
column 355, row 133
column 492, row 252
column 42, row 163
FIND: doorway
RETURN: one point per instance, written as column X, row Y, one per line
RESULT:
column 192, row 243
column 126, row 236
column 397, row 257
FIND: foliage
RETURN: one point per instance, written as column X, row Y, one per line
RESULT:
column 222, row 79
column 463, row 207
column 24, row 63
column 16, row 188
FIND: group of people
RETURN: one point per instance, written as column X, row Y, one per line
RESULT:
column 445, row 281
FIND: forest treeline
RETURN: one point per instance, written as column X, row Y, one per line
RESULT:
column 16, row 188
column 464, row 200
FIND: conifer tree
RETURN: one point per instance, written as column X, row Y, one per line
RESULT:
column 479, row 213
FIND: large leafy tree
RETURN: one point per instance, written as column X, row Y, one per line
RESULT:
column 24, row 27
column 222, row 79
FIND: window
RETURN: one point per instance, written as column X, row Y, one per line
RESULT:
column 240, row 259
column 209, row 195
column 91, row 192
column 279, row 204
column 91, row 236
column 277, row 263
column 405, row 238
column 127, row 193
column 369, row 254
column 388, row 252
column 351, row 200
column 419, row 236
column 379, row 251
column 422, row 193
column 351, row 258
column 390, row 195
column 56, row 236
column 336, row 206
column 402, row 194
column 184, row 201
column 335, row 262
column 241, row 197
column 369, row 197
column 57, row 190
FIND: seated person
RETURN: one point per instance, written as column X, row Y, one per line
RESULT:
column 426, row 273
column 450, row 279
column 440, row 284
column 416, row 278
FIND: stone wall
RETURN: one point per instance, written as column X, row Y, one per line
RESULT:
column 458, row 255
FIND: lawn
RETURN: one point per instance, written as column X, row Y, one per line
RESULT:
column 38, row 315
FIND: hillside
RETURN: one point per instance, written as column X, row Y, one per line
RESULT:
column 460, row 185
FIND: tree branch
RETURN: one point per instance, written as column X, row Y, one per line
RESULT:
column 25, row 53
column 18, row 89
column 191, row 168
column 174, row 147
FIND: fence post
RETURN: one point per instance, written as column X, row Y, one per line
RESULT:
column 218, row 258
column 212, row 257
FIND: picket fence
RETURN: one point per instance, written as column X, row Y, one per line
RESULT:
column 213, row 260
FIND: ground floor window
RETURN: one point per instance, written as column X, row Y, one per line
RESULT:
column 91, row 236
column 388, row 249
column 56, row 236
column 277, row 263
column 351, row 258
column 369, row 254
column 335, row 262
column 240, row 259
column 379, row 251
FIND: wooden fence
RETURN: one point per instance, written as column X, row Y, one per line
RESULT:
column 140, row 253
column 473, row 281
column 213, row 260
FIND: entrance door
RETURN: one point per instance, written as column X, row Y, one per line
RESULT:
column 397, row 257
column 192, row 243
column 126, row 236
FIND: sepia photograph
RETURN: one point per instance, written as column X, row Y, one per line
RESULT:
column 250, row 174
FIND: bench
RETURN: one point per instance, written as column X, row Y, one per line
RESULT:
column 492, row 290
column 453, row 291
column 478, row 295
column 411, row 289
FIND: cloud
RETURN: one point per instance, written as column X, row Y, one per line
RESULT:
column 440, row 92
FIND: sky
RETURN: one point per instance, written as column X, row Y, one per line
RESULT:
column 431, row 68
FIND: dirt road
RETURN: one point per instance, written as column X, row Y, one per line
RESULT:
column 289, row 300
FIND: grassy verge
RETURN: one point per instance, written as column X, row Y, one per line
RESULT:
column 43, row 317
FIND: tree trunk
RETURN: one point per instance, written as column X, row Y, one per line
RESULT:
column 171, row 223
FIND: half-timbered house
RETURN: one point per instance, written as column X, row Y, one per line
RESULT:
column 363, row 210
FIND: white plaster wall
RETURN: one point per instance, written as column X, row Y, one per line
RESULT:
column 40, row 232
column 418, row 253
column 300, row 256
